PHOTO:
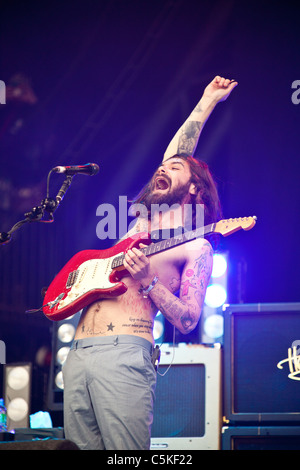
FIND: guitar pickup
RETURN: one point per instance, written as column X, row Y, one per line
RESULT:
column 72, row 278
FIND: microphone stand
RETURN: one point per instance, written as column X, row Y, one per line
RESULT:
column 42, row 213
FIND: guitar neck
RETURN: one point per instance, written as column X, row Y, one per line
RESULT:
column 169, row 243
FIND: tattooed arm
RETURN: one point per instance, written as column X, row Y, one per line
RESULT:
column 183, row 312
column 186, row 139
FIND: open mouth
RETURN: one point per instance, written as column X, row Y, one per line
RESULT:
column 161, row 183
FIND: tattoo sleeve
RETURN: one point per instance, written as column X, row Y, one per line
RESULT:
column 189, row 137
column 184, row 312
column 173, row 308
column 186, row 138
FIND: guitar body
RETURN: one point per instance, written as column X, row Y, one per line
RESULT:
column 96, row 274
column 87, row 277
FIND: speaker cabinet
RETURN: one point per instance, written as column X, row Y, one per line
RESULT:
column 17, row 394
column 261, row 438
column 262, row 363
column 187, row 411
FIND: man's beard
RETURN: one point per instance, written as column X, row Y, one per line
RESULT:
column 170, row 197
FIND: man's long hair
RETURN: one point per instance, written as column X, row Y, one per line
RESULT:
column 206, row 191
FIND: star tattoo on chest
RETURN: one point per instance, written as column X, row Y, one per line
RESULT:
column 110, row 327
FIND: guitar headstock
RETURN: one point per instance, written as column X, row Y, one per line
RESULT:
column 228, row 226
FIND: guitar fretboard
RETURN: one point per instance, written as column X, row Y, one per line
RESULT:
column 168, row 243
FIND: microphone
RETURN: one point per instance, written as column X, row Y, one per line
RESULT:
column 89, row 169
column 65, row 186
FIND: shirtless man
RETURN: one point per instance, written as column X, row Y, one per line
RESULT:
column 109, row 379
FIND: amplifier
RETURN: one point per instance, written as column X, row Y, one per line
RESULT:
column 187, row 411
column 262, row 363
column 261, row 438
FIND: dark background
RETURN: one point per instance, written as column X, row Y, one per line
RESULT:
column 111, row 82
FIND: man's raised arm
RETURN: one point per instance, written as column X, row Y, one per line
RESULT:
column 186, row 138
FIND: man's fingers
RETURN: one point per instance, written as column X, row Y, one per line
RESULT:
column 135, row 257
column 129, row 265
column 141, row 245
column 131, row 259
column 139, row 254
column 223, row 82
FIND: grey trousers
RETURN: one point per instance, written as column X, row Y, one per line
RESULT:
column 109, row 390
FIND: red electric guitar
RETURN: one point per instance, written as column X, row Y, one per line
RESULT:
column 91, row 275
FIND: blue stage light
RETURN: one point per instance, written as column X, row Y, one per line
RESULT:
column 216, row 295
column 159, row 328
column 214, row 326
column 219, row 265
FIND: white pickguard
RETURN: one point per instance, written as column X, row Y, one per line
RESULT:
column 92, row 274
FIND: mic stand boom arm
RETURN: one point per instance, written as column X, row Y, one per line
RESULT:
column 42, row 213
